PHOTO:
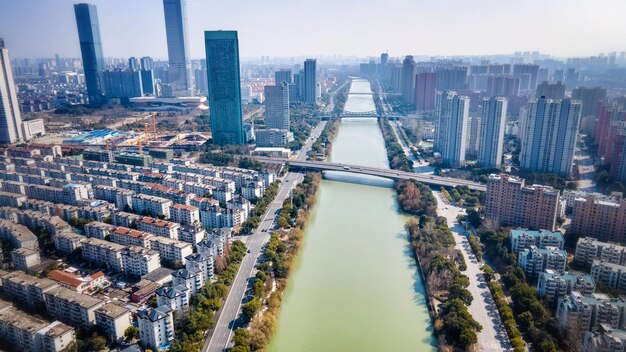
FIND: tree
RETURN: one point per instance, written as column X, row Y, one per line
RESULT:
column 525, row 320
column 249, row 309
column 131, row 332
column 96, row 343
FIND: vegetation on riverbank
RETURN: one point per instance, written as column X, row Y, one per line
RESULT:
column 339, row 100
column 463, row 196
column 395, row 154
column 441, row 264
column 324, row 143
column 278, row 259
column 191, row 327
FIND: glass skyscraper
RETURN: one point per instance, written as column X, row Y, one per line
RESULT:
column 90, row 49
column 10, row 117
column 310, row 81
column 222, row 61
column 179, row 71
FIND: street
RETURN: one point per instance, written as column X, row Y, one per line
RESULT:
column 493, row 337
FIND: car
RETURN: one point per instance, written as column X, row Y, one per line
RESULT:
column 248, row 251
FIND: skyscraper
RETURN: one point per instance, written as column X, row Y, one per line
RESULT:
column 90, row 49
column 147, row 76
column 409, row 68
column 425, row 91
column 551, row 128
column 179, row 71
column 451, row 114
column 222, row 61
column 277, row 106
column 590, row 98
column 452, row 78
column 310, row 81
column 473, row 136
column 527, row 82
column 133, row 64
column 282, row 76
column 122, row 84
column 492, row 126
column 10, row 117
column 551, row 90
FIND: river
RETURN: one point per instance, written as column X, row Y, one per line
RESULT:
column 355, row 285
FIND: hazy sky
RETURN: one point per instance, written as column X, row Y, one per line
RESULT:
column 42, row 28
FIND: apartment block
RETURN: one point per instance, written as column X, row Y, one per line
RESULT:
column 577, row 312
column 67, row 242
column 509, row 202
column 202, row 261
column 24, row 258
column 158, row 227
column 170, row 249
column 185, row 214
column 26, row 290
column 522, row 239
column 71, row 307
column 19, row 235
column 191, row 278
column 606, row 339
column 601, row 219
column 156, row 327
column 98, row 229
column 103, row 253
column 589, row 249
column 139, row 261
column 129, row 237
column 535, row 260
column 113, row 320
column 151, row 205
column 25, row 332
column 554, row 285
column 176, row 297
column 612, row 275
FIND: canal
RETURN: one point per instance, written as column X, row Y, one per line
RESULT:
column 355, row 285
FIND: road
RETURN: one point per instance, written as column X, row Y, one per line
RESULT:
column 493, row 337
column 227, row 315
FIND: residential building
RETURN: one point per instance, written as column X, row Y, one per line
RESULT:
column 156, row 327
column 77, row 283
column 473, row 137
column 122, row 84
column 535, row 260
column 10, row 116
column 590, row 98
column 113, row 320
column 492, row 124
column 185, row 214
column 191, row 278
column 222, row 58
column 554, row 285
column 24, row 258
column 179, row 69
column 26, row 290
column 451, row 114
column 129, row 237
column 612, row 275
column 425, row 91
column 103, row 253
column 589, row 249
column 91, row 49
column 550, row 135
column 272, row 137
column 409, row 69
column 579, row 313
column 176, row 297
column 71, row 307
column 140, row 261
column 152, row 205
column 509, row 202
column 554, row 91
column 601, row 219
column 158, row 227
column 172, row 250
column 202, row 261
column 25, row 332
column 606, row 339
column 522, row 239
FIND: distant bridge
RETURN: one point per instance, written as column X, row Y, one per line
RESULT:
column 372, row 113
column 374, row 171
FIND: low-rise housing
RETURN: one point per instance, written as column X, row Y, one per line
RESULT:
column 113, row 320
column 522, row 239
column 71, row 307
column 554, row 285
column 535, row 260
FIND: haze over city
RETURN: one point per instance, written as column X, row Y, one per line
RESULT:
column 328, row 27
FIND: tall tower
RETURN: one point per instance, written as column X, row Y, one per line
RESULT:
column 277, row 106
column 409, row 68
column 90, row 49
column 550, row 133
column 492, row 125
column 222, row 61
column 179, row 71
column 425, row 91
column 310, row 81
column 10, row 117
column 452, row 114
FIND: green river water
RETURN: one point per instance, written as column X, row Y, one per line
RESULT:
column 355, row 285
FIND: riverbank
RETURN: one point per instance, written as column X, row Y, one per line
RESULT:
column 324, row 143
column 273, row 274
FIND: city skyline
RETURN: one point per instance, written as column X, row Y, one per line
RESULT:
column 416, row 28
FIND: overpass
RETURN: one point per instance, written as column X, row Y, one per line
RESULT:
column 359, row 114
column 432, row 180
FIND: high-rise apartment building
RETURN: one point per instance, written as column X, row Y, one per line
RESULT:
column 600, row 218
column 277, row 106
column 222, row 60
column 451, row 78
column 473, row 136
column 451, row 114
column 409, row 68
column 528, row 74
column 310, row 81
column 91, row 50
column 552, row 91
column 147, row 76
column 122, row 84
column 10, row 117
column 503, row 85
column 133, row 64
column 179, row 70
column 425, row 91
column 492, row 126
column 282, row 76
column 509, row 202
column 551, row 129
column 590, row 98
